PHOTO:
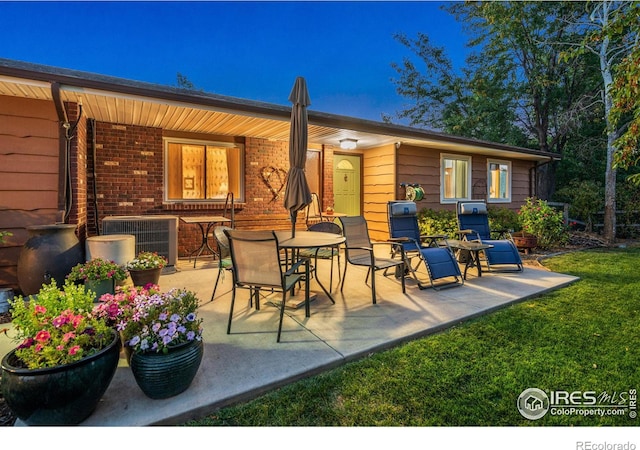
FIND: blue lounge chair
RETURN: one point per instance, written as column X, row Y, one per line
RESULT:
column 434, row 251
column 473, row 224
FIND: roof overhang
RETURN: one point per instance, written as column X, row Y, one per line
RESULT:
column 122, row 101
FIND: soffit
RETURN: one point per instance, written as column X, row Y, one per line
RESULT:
column 268, row 123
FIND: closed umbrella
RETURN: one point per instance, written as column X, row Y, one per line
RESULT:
column 298, row 194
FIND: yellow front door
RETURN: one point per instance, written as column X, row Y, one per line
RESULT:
column 346, row 184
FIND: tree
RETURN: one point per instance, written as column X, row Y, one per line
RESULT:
column 607, row 37
column 625, row 91
column 516, row 89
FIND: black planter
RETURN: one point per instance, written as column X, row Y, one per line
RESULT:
column 61, row 395
column 50, row 252
column 163, row 375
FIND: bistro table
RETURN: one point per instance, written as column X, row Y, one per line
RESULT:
column 310, row 239
column 210, row 222
column 473, row 249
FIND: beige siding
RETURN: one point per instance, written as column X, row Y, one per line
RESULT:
column 379, row 181
column 29, row 149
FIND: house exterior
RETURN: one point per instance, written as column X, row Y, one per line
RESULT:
column 76, row 147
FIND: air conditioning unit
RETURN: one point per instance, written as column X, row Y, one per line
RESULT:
column 157, row 234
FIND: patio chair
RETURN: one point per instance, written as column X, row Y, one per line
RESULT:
column 255, row 256
column 224, row 263
column 324, row 253
column 359, row 251
column 313, row 211
column 432, row 251
column 473, row 225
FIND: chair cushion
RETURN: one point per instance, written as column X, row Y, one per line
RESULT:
column 403, row 209
column 473, row 208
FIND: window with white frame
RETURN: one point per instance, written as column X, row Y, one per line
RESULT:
column 499, row 181
column 200, row 171
column 455, row 177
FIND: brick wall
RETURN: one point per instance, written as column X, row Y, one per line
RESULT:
column 129, row 181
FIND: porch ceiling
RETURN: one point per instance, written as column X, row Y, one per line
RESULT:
column 174, row 109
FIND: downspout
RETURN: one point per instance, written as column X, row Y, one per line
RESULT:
column 92, row 122
column 65, row 193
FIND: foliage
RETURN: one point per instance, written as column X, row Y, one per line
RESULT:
column 438, row 222
column 97, row 269
column 445, row 221
column 503, row 219
column 151, row 321
column 581, row 337
column 626, row 89
column 541, row 220
column 147, row 260
column 3, row 235
column 57, row 327
column 585, row 199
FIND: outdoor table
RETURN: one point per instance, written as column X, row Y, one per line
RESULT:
column 210, row 222
column 473, row 249
column 310, row 239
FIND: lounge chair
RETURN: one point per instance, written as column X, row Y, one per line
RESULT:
column 433, row 251
column 473, row 224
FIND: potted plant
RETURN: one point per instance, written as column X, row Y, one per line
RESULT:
column 66, row 358
column 161, row 334
column 98, row 276
column 146, row 268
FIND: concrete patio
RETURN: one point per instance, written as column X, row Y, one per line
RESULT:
column 249, row 362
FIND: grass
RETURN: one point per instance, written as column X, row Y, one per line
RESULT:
column 584, row 337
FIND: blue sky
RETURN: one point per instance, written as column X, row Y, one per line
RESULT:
column 251, row 50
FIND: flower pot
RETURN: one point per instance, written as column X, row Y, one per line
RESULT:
column 100, row 287
column 61, row 395
column 164, row 375
column 525, row 241
column 50, row 252
column 145, row 276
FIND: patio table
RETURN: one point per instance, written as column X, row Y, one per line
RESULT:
column 210, row 222
column 473, row 249
column 310, row 239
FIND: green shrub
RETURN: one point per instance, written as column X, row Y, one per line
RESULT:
column 438, row 222
column 540, row 219
column 585, row 199
column 501, row 218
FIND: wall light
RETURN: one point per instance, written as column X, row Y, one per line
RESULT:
column 348, row 144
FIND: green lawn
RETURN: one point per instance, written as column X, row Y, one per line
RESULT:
column 584, row 337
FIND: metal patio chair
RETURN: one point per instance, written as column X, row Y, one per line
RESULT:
column 224, row 262
column 256, row 263
column 324, row 253
column 359, row 251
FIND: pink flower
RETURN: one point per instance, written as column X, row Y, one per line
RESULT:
column 68, row 336
column 39, row 309
column 43, row 336
column 73, row 350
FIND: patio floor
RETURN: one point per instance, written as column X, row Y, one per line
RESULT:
column 249, row 362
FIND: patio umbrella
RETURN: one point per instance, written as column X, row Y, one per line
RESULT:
column 298, row 194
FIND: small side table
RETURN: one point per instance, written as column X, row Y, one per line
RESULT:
column 473, row 249
column 210, row 222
